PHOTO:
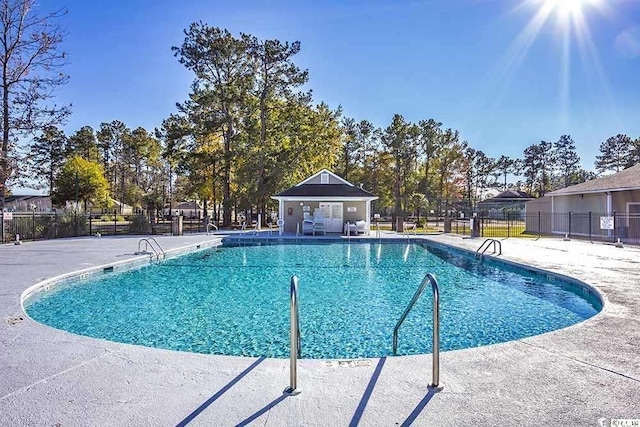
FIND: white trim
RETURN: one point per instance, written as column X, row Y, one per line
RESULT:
column 602, row 190
column 628, row 213
column 609, row 207
column 324, row 171
column 323, row 199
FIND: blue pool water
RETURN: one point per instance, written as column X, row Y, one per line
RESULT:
column 235, row 301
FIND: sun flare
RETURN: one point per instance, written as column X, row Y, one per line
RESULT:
column 569, row 13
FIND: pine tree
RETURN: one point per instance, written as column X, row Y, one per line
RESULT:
column 615, row 153
column 48, row 152
column 567, row 160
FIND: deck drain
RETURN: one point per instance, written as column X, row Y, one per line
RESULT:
column 14, row 319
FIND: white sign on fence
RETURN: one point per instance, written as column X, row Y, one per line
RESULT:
column 7, row 216
column 606, row 223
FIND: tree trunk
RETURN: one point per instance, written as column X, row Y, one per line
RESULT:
column 226, row 187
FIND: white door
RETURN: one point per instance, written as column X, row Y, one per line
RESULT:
column 333, row 216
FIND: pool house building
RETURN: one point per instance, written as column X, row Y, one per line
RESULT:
column 324, row 203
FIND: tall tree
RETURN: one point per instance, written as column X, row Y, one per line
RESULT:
column 504, row 166
column 399, row 139
column 477, row 169
column 449, row 153
column 614, row 154
column 31, row 59
column 634, row 153
column 429, row 133
column 277, row 78
column 225, row 74
column 48, row 152
column 538, row 165
column 80, row 180
column 567, row 159
column 111, row 141
column 83, row 143
column 351, row 148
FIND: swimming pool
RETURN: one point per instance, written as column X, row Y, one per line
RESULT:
column 234, row 300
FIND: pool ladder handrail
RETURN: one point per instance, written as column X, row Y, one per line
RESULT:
column 428, row 279
column 149, row 243
column 407, row 227
column 211, row 225
column 485, row 247
column 294, row 334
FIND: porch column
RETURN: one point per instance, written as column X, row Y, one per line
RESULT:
column 609, row 211
column 368, row 216
column 553, row 226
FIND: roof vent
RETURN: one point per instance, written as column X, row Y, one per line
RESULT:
column 324, row 178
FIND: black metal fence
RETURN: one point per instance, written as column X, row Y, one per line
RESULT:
column 597, row 226
column 52, row 225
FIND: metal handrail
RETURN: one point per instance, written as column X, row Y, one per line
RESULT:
column 406, row 226
column 295, row 347
column 211, row 225
column 378, row 231
column 485, row 247
column 149, row 243
column 429, row 278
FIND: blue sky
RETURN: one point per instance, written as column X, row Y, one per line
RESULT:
column 447, row 60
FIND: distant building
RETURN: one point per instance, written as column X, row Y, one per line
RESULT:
column 512, row 201
column 188, row 210
column 327, row 198
column 27, row 203
column 589, row 204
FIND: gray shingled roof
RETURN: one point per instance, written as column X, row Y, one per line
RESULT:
column 325, row 190
column 628, row 179
column 511, row 195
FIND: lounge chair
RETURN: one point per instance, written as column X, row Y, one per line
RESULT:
column 356, row 227
column 318, row 223
column 307, row 225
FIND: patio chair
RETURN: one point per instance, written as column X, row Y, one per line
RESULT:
column 318, row 223
column 361, row 226
column 307, row 225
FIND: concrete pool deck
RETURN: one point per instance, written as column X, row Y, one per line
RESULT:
column 586, row 374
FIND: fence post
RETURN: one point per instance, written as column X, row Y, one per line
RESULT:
column 539, row 223
column 508, row 225
column 90, row 225
column 614, row 226
column 33, row 225
column 569, row 223
column 75, row 223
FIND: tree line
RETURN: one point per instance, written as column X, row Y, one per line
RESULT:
column 249, row 129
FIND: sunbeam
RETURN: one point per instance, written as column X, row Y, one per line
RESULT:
column 570, row 19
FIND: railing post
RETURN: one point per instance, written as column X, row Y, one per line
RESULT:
column 294, row 339
column 436, row 333
column 429, row 278
column 539, row 223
